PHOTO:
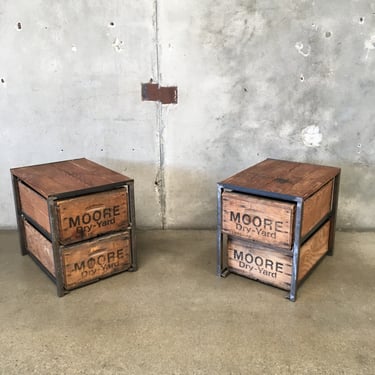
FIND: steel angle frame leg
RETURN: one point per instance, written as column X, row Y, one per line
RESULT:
column 20, row 225
column 332, row 228
column 57, row 256
column 220, row 271
column 133, row 250
column 296, row 249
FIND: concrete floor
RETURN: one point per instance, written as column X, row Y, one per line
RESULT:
column 174, row 316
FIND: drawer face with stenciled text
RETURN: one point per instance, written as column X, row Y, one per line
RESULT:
column 93, row 260
column 83, row 262
column 79, row 218
column 259, row 219
column 91, row 215
column 272, row 266
column 272, row 221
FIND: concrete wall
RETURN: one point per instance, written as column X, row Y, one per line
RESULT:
column 256, row 79
column 72, row 88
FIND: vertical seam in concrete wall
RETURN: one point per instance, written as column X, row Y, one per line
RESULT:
column 160, row 124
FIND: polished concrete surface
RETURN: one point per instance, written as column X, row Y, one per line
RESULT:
column 174, row 316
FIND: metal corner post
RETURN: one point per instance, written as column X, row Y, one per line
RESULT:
column 219, row 234
column 296, row 249
column 332, row 229
column 134, row 265
column 21, row 227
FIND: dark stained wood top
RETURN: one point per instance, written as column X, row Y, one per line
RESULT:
column 67, row 176
column 283, row 177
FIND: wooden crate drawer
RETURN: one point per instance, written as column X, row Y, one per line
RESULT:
column 272, row 266
column 91, row 215
column 258, row 219
column 95, row 259
column 84, row 262
column 81, row 217
column 271, row 221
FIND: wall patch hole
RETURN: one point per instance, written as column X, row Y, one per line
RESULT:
column 311, row 136
column 101, row 150
column 118, row 45
column 328, row 34
column 19, row 26
column 62, row 150
column 361, row 19
column 300, row 48
column 245, row 89
column 302, row 78
column 2, row 80
column 111, row 24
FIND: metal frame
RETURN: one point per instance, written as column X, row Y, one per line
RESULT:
column 132, row 226
column 54, row 235
column 17, row 204
column 335, row 201
column 222, row 270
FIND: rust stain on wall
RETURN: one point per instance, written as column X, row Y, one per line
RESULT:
column 155, row 92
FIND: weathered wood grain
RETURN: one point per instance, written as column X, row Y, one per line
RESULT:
column 313, row 250
column 250, row 259
column 40, row 247
column 88, row 216
column 272, row 266
column 317, row 207
column 66, row 176
column 93, row 260
column 284, row 177
column 34, row 206
column 265, row 220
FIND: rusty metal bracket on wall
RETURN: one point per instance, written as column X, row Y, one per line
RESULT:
column 155, row 92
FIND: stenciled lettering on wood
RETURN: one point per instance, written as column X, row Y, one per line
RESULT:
column 88, row 221
column 263, row 265
column 258, row 219
column 260, row 264
column 261, row 226
column 100, row 263
column 91, row 215
column 96, row 259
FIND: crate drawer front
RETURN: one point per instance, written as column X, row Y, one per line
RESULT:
column 272, row 266
column 258, row 263
column 34, row 206
column 264, row 220
column 79, row 218
column 88, row 216
column 93, row 260
column 40, row 247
